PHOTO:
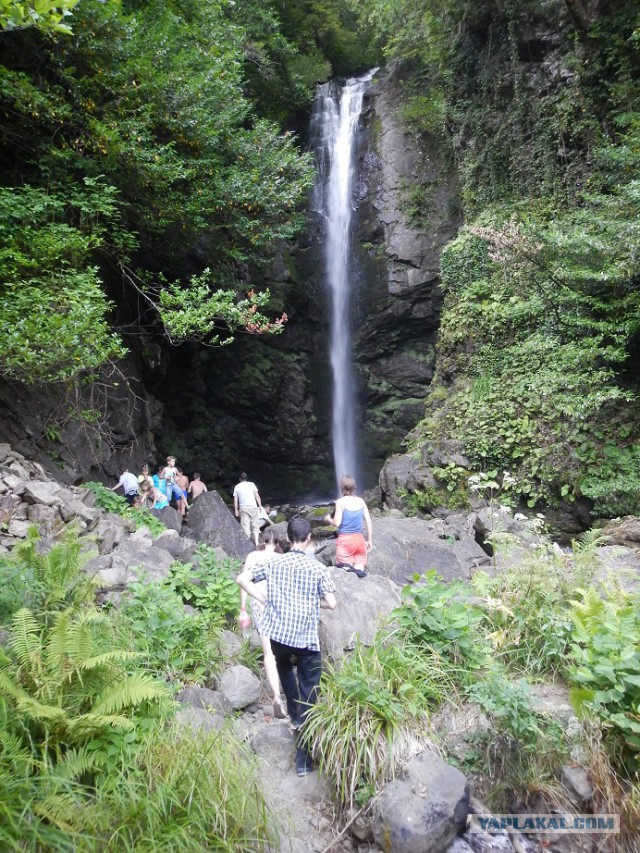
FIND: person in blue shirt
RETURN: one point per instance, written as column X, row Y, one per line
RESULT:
column 351, row 517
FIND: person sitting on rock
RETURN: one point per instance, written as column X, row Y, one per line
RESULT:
column 129, row 484
column 350, row 515
column 297, row 587
column 196, row 486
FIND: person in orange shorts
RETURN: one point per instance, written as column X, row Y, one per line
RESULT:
column 350, row 516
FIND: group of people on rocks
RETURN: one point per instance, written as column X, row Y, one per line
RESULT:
column 288, row 585
column 156, row 491
column 288, row 590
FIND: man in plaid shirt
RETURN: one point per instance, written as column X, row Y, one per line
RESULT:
column 297, row 587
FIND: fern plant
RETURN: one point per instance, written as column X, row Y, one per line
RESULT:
column 66, row 684
column 47, row 581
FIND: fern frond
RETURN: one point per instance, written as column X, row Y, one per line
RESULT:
column 56, row 651
column 39, row 712
column 59, row 810
column 77, row 762
column 114, row 656
column 128, row 693
column 14, row 755
column 95, row 722
column 10, row 689
column 25, row 642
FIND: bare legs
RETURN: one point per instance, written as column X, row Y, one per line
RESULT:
column 271, row 671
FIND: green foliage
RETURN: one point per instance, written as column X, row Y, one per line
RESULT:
column 173, row 789
column 52, row 306
column 44, row 581
column 370, row 705
column 526, row 609
column 180, row 790
column 47, row 16
column 176, row 644
column 209, row 584
column 86, row 758
column 138, row 120
column 112, row 502
column 538, row 329
column 523, row 747
column 606, row 661
column 435, row 616
column 67, row 685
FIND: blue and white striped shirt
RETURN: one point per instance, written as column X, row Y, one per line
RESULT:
column 295, row 585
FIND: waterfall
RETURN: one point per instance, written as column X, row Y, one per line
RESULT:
column 334, row 122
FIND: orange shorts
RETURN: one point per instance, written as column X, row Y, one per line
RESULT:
column 351, row 548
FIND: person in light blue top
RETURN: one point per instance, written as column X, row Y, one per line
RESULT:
column 351, row 517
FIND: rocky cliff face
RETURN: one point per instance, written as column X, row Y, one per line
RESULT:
column 82, row 432
column 409, row 210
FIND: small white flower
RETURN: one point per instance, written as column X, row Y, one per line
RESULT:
column 519, row 517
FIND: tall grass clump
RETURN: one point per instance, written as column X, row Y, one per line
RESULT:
column 178, row 790
column 372, row 715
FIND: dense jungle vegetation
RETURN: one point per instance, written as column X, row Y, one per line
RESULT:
column 537, row 365
column 143, row 148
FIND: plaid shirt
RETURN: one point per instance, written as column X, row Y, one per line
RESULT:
column 295, row 585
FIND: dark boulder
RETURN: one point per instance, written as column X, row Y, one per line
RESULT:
column 212, row 522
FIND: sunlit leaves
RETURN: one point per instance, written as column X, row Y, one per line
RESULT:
column 47, row 15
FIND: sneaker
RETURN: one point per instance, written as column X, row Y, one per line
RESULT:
column 304, row 765
column 278, row 708
column 357, row 572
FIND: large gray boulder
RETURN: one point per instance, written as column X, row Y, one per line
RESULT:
column 403, row 474
column 406, row 546
column 622, row 531
column 212, row 522
column 130, row 561
column 239, row 686
column 423, row 811
column 363, row 606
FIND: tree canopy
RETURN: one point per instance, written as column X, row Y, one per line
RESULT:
column 140, row 148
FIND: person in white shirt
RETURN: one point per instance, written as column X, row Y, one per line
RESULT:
column 247, row 505
column 129, row 483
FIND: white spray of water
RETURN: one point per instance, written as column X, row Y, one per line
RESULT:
column 334, row 123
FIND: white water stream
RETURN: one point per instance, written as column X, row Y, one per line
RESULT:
column 334, row 123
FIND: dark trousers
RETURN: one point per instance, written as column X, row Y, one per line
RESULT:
column 300, row 687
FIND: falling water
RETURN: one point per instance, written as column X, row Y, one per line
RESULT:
column 334, row 124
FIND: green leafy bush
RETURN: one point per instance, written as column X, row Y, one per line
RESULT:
column 605, row 660
column 177, row 644
column 523, row 746
column 438, row 617
column 111, row 502
column 45, row 581
column 209, row 584
column 527, row 613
